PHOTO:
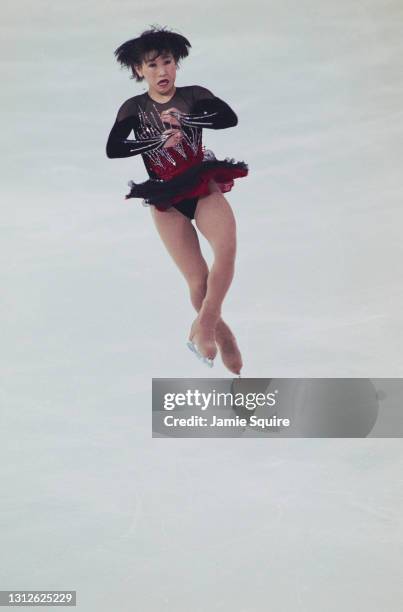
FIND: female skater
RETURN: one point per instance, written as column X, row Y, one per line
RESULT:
column 186, row 181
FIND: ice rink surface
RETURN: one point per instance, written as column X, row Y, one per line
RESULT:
column 93, row 308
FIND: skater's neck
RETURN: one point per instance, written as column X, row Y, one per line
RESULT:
column 159, row 98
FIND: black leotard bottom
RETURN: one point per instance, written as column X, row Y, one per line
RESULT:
column 187, row 207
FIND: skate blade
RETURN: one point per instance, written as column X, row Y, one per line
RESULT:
column 208, row 362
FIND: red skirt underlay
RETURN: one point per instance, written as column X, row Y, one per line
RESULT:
column 191, row 183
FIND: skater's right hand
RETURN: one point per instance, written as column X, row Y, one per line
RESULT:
column 174, row 139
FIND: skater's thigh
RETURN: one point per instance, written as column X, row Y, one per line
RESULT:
column 216, row 221
column 181, row 240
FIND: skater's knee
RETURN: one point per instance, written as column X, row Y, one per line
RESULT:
column 223, row 243
column 225, row 251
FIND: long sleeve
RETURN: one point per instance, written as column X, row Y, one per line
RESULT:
column 118, row 144
column 208, row 111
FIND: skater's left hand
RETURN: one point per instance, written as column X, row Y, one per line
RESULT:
column 167, row 118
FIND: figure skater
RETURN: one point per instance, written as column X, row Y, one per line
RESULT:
column 186, row 181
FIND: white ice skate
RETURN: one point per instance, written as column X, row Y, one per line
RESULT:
column 195, row 350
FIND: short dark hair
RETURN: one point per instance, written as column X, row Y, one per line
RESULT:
column 132, row 52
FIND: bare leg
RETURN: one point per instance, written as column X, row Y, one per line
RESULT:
column 230, row 353
column 182, row 243
column 216, row 221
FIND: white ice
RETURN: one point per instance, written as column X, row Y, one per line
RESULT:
column 93, row 308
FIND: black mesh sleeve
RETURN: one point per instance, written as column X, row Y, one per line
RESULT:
column 118, row 144
column 208, row 111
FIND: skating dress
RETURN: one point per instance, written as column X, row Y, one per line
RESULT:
column 178, row 175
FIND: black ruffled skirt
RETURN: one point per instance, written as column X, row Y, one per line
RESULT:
column 191, row 183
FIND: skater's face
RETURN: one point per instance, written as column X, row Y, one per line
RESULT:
column 159, row 72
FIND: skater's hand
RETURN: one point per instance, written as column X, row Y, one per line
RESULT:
column 174, row 139
column 167, row 118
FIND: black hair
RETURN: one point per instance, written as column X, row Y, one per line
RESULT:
column 132, row 52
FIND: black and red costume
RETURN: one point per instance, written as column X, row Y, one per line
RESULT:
column 179, row 175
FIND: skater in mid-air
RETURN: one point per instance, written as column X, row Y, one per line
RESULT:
column 186, row 181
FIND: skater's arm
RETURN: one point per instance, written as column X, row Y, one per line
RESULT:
column 119, row 145
column 208, row 111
